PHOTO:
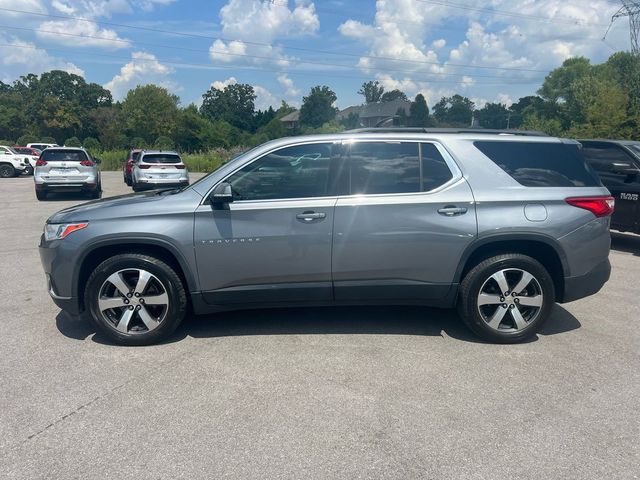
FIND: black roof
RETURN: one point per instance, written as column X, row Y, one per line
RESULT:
column 530, row 133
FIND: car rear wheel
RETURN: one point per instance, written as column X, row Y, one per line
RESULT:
column 135, row 299
column 506, row 298
column 7, row 171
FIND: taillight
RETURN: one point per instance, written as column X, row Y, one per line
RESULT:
column 144, row 167
column 40, row 163
column 181, row 167
column 599, row 206
column 86, row 163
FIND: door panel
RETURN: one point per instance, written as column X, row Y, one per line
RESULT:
column 400, row 246
column 403, row 229
column 273, row 242
column 261, row 251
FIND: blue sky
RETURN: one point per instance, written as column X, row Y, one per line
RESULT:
column 496, row 50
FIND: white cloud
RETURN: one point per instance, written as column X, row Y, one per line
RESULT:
column 224, row 83
column 21, row 57
column 265, row 99
column 408, row 30
column 261, row 22
column 505, row 99
column 440, row 43
column 144, row 68
column 65, row 32
column 290, row 91
column 23, row 5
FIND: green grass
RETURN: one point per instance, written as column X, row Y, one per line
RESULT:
column 196, row 162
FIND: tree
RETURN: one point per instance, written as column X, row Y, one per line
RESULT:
column 372, row 91
column 149, row 111
column 392, row 95
column 419, row 112
column 493, row 115
column 317, row 108
column 234, row 104
column 456, row 111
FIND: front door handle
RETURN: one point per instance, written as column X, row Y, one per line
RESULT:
column 452, row 210
column 310, row 216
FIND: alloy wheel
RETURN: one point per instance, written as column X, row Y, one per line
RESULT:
column 133, row 301
column 510, row 299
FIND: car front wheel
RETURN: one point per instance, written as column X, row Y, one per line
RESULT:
column 135, row 299
column 506, row 298
column 7, row 171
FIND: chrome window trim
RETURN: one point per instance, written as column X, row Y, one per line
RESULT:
column 450, row 162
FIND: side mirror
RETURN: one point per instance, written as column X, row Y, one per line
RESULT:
column 7, row 153
column 624, row 168
column 221, row 194
column 98, row 161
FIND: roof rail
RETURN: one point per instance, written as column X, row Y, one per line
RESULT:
column 487, row 131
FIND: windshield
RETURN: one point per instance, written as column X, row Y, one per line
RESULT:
column 161, row 158
column 12, row 150
column 51, row 155
column 22, row 150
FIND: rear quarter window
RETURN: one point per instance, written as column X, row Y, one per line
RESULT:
column 51, row 155
column 540, row 164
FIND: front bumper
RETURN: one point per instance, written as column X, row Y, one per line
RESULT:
column 588, row 284
column 58, row 259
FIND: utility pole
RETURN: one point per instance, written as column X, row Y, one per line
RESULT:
column 631, row 9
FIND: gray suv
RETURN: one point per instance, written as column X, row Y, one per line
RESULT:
column 501, row 226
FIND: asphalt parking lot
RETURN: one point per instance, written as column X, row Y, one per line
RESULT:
column 312, row 393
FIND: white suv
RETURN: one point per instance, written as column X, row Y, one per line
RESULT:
column 157, row 169
column 11, row 162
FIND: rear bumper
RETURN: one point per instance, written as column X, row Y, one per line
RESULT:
column 590, row 283
column 66, row 186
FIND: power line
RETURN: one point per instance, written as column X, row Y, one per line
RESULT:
column 207, row 66
column 493, row 11
column 271, row 59
column 325, row 52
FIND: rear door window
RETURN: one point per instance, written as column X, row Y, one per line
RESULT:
column 541, row 164
column 51, row 155
column 396, row 167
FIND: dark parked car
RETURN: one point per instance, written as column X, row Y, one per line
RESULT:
column 618, row 164
column 127, row 167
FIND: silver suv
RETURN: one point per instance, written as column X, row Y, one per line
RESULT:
column 158, row 169
column 501, row 226
column 66, row 169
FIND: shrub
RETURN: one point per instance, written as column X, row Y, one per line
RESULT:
column 72, row 142
column 163, row 143
column 91, row 144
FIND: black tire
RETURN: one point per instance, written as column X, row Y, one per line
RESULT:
column 507, row 330
column 96, row 193
column 7, row 171
column 29, row 171
column 41, row 194
column 127, row 181
column 169, row 279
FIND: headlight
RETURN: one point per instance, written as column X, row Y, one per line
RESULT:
column 57, row 231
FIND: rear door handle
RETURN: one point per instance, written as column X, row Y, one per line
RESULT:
column 452, row 210
column 310, row 216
